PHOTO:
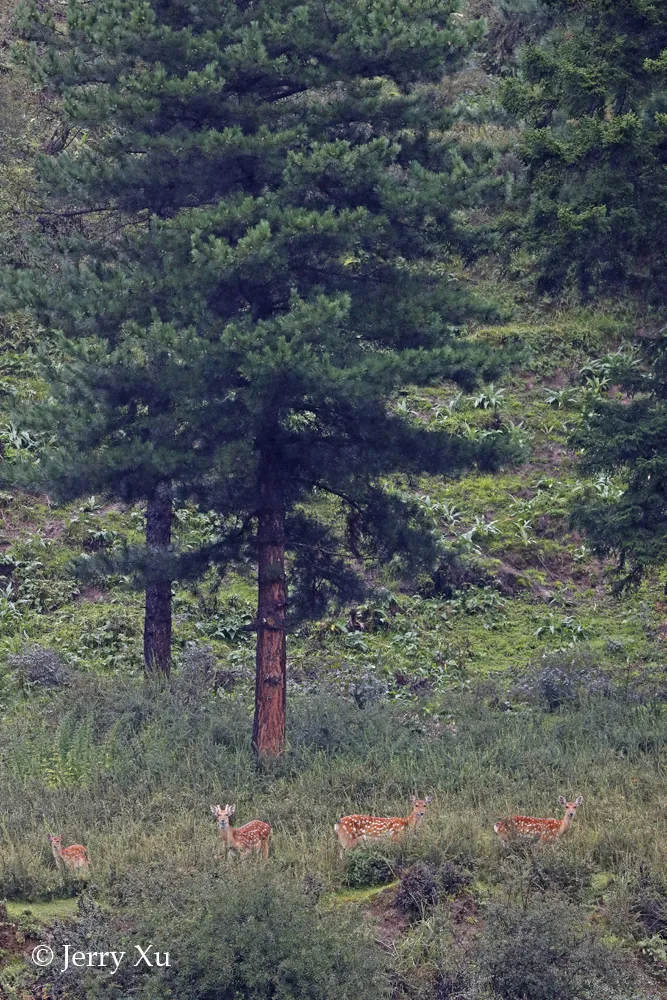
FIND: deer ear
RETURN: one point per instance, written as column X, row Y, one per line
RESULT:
column 579, row 800
column 562, row 800
column 215, row 810
column 429, row 798
column 231, row 809
column 413, row 799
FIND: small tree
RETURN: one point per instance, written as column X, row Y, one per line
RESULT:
column 279, row 196
column 629, row 436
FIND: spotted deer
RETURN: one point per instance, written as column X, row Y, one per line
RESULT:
column 254, row 836
column 529, row 827
column 354, row 830
column 74, row 857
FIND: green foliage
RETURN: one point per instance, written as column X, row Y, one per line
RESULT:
column 545, row 952
column 272, row 274
column 626, row 437
column 592, row 97
column 240, row 943
column 368, row 866
column 131, row 773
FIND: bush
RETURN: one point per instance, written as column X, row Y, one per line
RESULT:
column 649, row 904
column 89, row 930
column 196, row 675
column 366, row 866
column 563, row 677
column 453, row 879
column 418, row 891
column 259, row 938
column 544, row 952
column 552, row 872
column 336, row 726
column 368, row 690
column 38, row 667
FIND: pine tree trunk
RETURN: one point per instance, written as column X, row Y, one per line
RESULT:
column 268, row 735
column 157, row 620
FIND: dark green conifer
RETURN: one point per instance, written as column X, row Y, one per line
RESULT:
column 627, row 434
column 592, row 99
column 265, row 195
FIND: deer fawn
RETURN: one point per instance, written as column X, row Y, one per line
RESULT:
column 74, row 857
column 516, row 827
column 353, row 830
column 243, row 839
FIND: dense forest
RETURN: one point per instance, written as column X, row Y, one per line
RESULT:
column 333, row 499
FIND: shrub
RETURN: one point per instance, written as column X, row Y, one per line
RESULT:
column 649, row 904
column 89, row 930
column 563, row 677
column 366, row 866
column 312, row 885
column 36, row 666
column 368, row 690
column 336, row 725
column 453, row 879
column 196, row 675
column 259, row 938
column 544, row 952
column 418, row 891
column 560, row 873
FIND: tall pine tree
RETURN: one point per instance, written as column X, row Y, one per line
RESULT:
column 277, row 196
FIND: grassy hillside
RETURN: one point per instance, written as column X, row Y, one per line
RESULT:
column 507, row 677
column 514, row 582
column 445, row 689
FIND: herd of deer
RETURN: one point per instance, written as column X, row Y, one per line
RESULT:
column 350, row 830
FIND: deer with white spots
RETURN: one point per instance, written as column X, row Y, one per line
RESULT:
column 74, row 857
column 354, row 830
column 254, row 836
column 533, row 828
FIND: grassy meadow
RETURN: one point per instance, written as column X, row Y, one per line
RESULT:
column 511, row 676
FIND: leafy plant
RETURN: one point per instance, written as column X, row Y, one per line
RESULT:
column 368, row 866
column 545, row 952
column 38, row 667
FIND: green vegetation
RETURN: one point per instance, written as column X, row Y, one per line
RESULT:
column 46, row 912
column 454, row 629
column 133, row 775
column 593, row 96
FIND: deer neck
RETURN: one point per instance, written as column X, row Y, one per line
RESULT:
column 56, row 853
column 565, row 825
column 413, row 820
column 226, row 833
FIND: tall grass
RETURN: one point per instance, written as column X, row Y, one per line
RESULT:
column 132, row 774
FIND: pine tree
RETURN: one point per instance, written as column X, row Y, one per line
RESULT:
column 278, row 197
column 592, row 97
column 628, row 436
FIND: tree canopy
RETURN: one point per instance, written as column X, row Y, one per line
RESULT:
column 592, row 97
column 266, row 198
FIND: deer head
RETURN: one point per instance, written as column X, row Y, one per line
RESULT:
column 223, row 816
column 570, row 807
column 419, row 806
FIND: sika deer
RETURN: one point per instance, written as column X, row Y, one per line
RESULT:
column 243, row 839
column 524, row 827
column 74, row 857
column 353, row 830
